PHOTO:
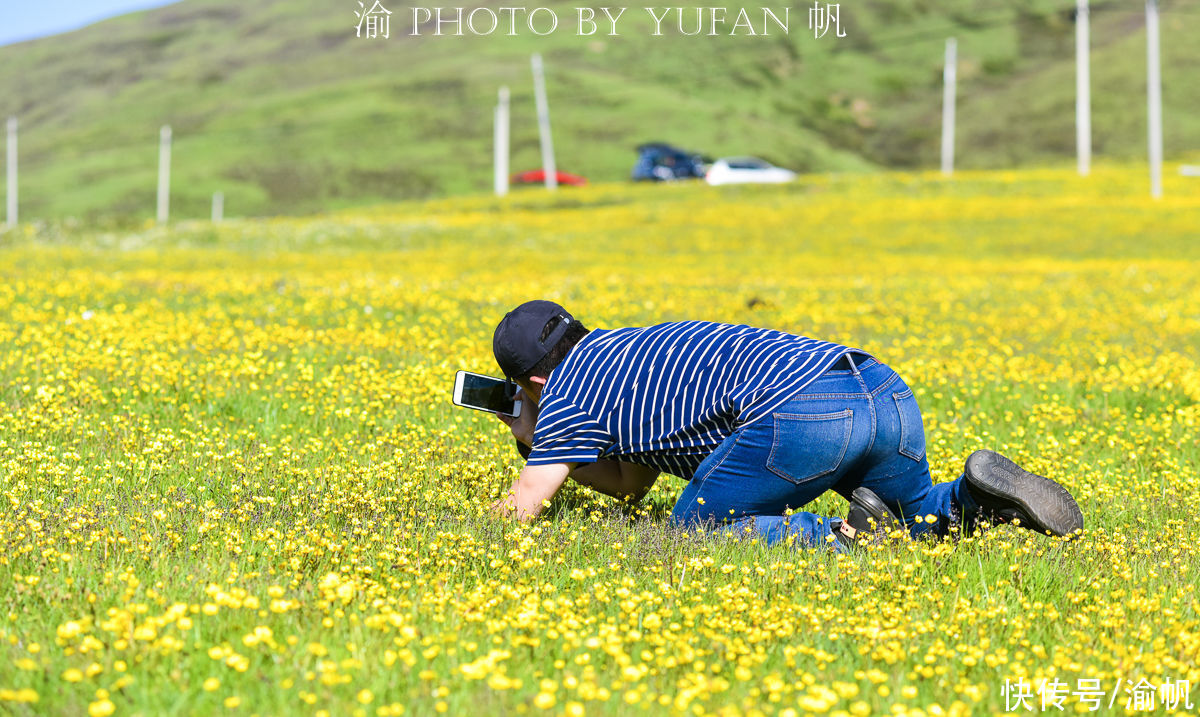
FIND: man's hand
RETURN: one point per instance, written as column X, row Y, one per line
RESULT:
column 522, row 426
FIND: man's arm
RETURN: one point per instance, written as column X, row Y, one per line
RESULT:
column 626, row 481
column 532, row 489
column 537, row 484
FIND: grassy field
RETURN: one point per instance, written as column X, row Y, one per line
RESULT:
column 279, row 106
column 232, row 479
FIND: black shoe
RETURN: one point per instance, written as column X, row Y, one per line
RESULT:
column 868, row 519
column 1005, row 492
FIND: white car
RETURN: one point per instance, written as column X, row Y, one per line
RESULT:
column 747, row 170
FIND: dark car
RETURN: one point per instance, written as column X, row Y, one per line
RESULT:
column 659, row 162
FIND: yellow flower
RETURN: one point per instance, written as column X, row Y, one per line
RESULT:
column 101, row 708
column 73, row 675
column 69, row 629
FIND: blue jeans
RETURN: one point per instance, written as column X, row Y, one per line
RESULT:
column 856, row 425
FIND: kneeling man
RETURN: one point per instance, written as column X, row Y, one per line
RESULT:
column 759, row 422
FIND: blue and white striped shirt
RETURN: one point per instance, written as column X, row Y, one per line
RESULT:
column 666, row 396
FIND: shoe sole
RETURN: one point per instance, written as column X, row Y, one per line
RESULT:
column 884, row 517
column 1049, row 505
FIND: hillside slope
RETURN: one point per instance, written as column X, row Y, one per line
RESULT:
column 279, row 105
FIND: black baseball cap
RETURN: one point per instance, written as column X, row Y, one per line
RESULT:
column 517, row 343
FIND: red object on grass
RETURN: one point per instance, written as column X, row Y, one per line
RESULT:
column 538, row 176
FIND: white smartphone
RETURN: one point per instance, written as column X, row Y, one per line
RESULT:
column 485, row 393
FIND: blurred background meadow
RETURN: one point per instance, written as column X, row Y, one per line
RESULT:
column 231, row 480
column 283, row 109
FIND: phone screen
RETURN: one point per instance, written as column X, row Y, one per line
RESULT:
column 487, row 393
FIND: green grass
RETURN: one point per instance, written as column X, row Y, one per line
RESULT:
column 230, row 418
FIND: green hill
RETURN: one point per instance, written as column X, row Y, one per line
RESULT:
column 277, row 103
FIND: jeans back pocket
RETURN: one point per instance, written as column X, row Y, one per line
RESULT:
column 805, row 447
column 912, row 430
